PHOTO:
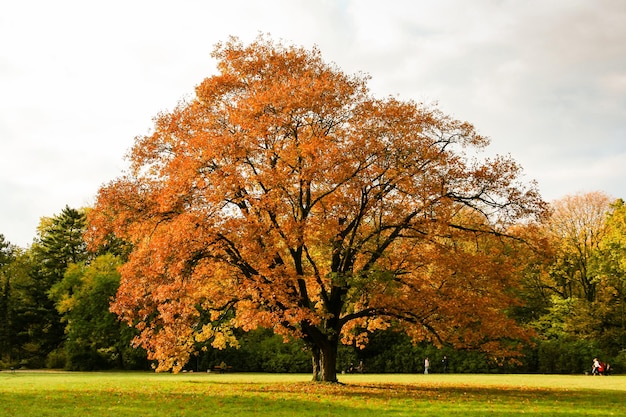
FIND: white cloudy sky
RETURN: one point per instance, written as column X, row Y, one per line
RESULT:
column 545, row 79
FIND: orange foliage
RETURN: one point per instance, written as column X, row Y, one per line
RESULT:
column 284, row 195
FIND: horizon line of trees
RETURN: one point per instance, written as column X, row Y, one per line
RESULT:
column 55, row 301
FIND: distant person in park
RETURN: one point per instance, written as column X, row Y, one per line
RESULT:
column 444, row 364
column 426, row 366
column 599, row 368
column 595, row 366
column 358, row 368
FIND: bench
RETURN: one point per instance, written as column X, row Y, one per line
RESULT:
column 222, row 368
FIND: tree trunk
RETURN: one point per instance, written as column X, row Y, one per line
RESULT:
column 325, row 361
column 316, row 361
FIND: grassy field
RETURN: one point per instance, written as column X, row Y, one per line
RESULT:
column 41, row 394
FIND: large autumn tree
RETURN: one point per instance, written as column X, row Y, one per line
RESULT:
column 284, row 195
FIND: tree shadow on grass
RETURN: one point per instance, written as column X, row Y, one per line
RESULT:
column 556, row 401
column 312, row 399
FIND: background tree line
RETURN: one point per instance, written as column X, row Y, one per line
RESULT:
column 55, row 297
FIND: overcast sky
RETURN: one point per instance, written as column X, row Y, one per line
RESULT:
column 544, row 79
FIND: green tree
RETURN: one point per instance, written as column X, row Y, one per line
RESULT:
column 35, row 326
column 7, row 258
column 61, row 242
column 95, row 339
column 33, row 323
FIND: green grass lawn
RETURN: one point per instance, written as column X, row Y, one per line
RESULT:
column 200, row 394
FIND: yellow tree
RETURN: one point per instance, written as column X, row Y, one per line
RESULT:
column 610, row 266
column 576, row 227
column 284, row 195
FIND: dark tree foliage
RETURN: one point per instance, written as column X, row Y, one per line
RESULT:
column 62, row 243
column 7, row 257
column 32, row 324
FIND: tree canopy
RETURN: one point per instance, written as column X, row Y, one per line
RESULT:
column 576, row 228
column 283, row 195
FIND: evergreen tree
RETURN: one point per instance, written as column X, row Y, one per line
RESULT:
column 36, row 327
column 62, row 243
column 6, row 258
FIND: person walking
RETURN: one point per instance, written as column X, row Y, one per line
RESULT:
column 595, row 369
column 426, row 366
column 444, row 363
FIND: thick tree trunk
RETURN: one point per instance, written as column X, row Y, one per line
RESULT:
column 325, row 362
column 316, row 361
